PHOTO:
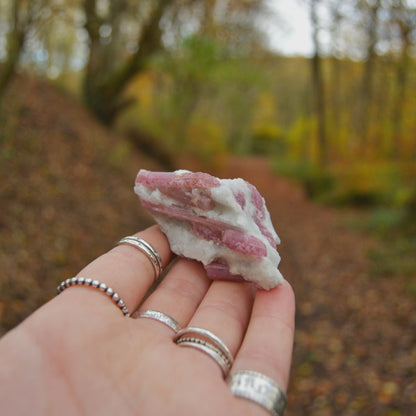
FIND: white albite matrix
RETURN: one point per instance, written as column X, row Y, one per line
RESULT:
column 233, row 208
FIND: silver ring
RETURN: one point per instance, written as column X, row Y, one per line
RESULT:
column 147, row 249
column 258, row 388
column 82, row 281
column 207, row 342
column 208, row 349
column 159, row 316
column 206, row 335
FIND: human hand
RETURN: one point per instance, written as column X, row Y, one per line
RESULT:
column 78, row 354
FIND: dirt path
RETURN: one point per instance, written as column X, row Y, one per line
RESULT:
column 355, row 346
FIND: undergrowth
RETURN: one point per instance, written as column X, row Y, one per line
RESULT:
column 381, row 203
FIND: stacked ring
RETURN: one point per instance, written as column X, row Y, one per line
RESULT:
column 208, row 343
column 147, row 249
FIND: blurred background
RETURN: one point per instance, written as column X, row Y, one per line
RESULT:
column 313, row 101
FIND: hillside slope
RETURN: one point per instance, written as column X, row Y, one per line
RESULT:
column 66, row 193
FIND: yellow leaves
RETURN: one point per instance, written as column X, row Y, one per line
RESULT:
column 206, row 140
column 119, row 154
column 388, row 392
column 360, row 403
column 305, row 369
column 143, row 89
column 364, row 182
column 341, row 398
column 265, row 110
column 265, row 116
column 335, row 345
column 266, row 131
column 414, row 359
column 301, row 139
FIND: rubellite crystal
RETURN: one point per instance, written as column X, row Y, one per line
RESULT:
column 223, row 223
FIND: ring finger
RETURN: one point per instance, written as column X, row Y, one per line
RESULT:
column 225, row 312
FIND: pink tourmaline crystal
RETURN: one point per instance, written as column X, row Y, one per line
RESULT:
column 224, row 223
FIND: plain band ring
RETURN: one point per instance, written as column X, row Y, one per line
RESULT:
column 82, row 281
column 159, row 316
column 147, row 249
column 207, row 342
column 258, row 388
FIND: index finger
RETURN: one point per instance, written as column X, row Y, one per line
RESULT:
column 125, row 269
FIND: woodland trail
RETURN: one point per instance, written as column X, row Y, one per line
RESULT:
column 355, row 343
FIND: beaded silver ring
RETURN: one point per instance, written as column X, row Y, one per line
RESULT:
column 82, row 281
column 208, row 343
column 207, row 348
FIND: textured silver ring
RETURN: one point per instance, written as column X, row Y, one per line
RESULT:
column 159, row 316
column 147, row 249
column 82, row 281
column 258, row 388
column 207, row 342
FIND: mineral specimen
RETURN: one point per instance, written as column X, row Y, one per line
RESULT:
column 223, row 223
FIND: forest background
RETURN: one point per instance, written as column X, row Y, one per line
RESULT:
column 200, row 79
column 177, row 73
column 186, row 72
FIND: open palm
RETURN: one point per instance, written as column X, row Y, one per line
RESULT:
column 78, row 354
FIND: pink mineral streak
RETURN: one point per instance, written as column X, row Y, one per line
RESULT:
column 208, row 229
column 244, row 243
column 240, row 198
column 220, row 271
column 189, row 188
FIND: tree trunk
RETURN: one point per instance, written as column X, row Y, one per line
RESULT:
column 318, row 88
column 335, row 80
column 15, row 44
column 364, row 113
column 104, row 87
column 400, row 96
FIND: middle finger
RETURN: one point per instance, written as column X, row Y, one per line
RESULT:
column 179, row 294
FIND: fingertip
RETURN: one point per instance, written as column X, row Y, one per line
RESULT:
column 281, row 300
